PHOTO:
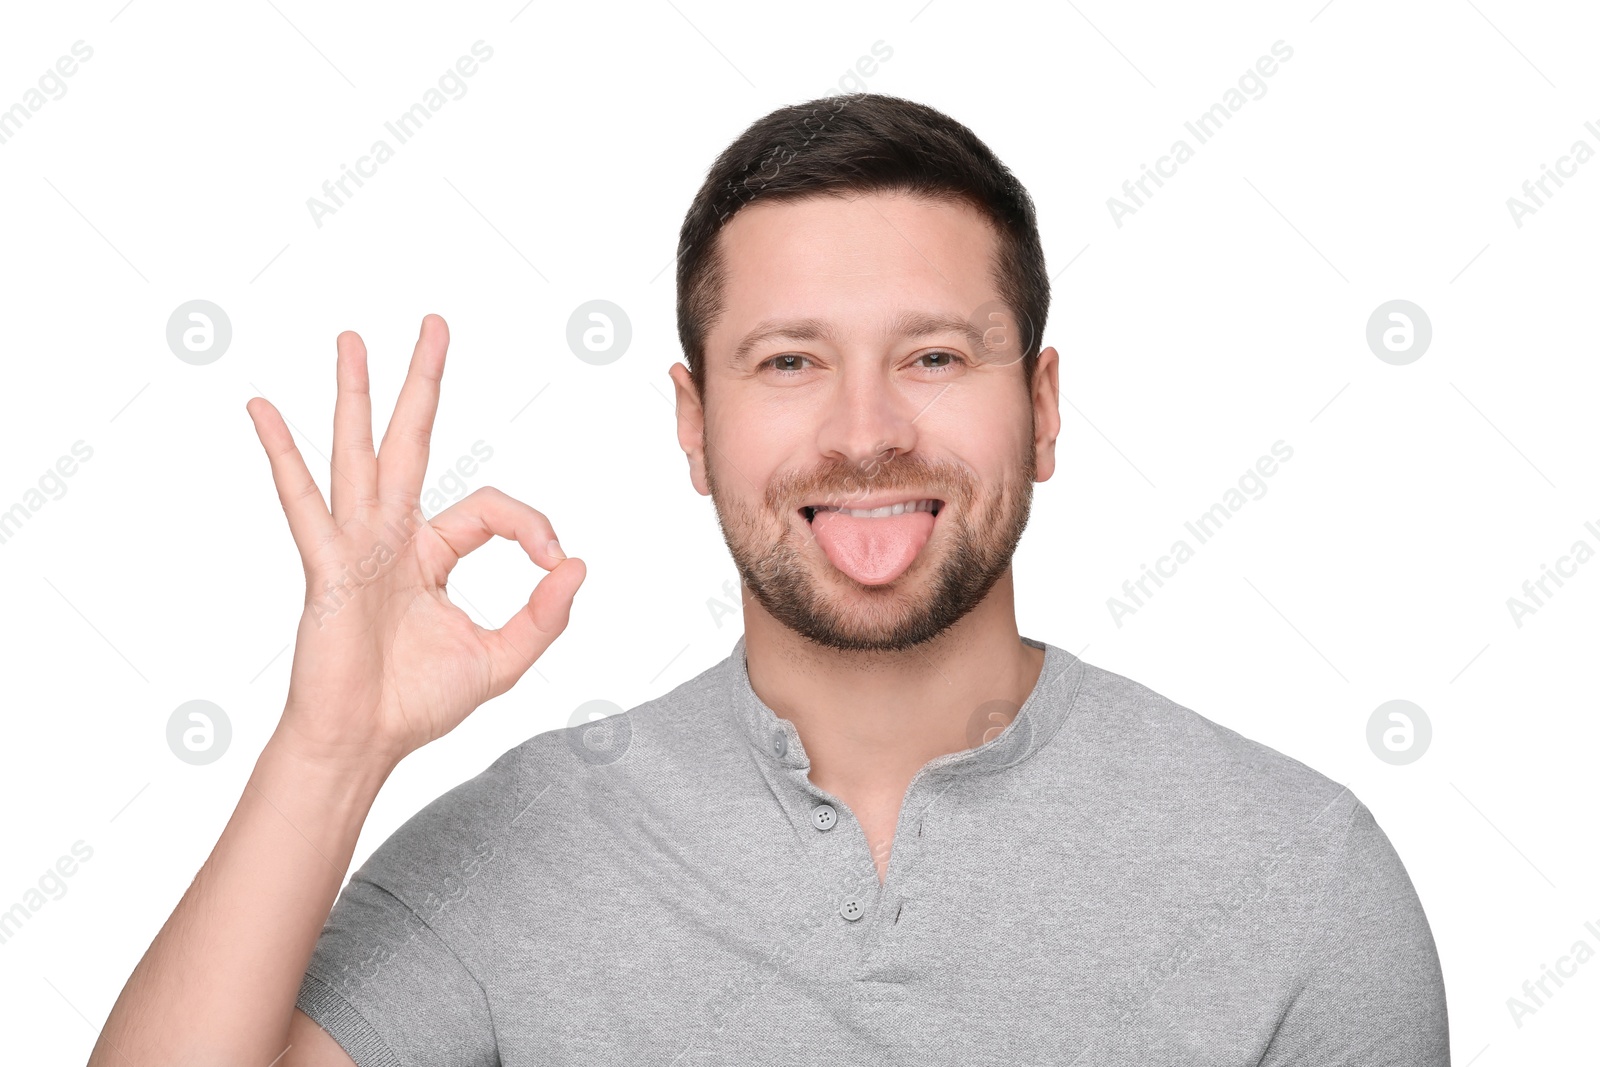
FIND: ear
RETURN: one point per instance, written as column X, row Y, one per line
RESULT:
column 1046, row 391
column 691, row 426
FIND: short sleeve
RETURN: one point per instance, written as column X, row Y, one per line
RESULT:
column 389, row 989
column 1373, row 992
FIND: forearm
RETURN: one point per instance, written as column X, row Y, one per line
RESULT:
column 218, row 984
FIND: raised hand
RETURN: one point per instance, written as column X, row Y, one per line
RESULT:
column 383, row 664
column 383, row 661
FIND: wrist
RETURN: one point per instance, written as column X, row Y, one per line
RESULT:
column 358, row 770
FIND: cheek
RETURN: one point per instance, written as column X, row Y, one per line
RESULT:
column 990, row 445
column 756, row 444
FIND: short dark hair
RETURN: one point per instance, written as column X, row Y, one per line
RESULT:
column 858, row 143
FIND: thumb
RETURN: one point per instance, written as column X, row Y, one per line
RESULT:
column 523, row 639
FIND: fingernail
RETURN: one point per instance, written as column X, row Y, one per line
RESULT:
column 554, row 548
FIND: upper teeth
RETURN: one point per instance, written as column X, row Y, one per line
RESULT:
column 883, row 512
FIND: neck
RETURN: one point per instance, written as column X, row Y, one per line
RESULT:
column 870, row 720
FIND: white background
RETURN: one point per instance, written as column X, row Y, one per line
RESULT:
column 1226, row 314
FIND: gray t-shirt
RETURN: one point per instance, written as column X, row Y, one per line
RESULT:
column 1110, row 879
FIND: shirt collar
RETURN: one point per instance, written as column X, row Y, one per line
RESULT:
column 1041, row 715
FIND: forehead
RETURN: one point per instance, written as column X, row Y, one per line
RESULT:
column 847, row 259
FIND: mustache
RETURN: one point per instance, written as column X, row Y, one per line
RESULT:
column 837, row 484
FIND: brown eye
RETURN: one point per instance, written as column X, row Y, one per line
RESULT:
column 950, row 357
column 786, row 364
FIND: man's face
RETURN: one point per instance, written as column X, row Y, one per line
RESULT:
column 863, row 361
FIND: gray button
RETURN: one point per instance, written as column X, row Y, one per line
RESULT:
column 780, row 743
column 823, row 817
column 851, row 909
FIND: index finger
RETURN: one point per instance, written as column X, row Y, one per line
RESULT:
column 487, row 512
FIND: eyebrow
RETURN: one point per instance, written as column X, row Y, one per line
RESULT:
column 910, row 324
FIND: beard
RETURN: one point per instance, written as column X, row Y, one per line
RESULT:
column 975, row 535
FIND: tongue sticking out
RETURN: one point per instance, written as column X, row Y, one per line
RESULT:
column 872, row 551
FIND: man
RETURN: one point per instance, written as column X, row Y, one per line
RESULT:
column 887, row 828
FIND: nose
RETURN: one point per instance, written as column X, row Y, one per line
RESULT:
column 868, row 421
